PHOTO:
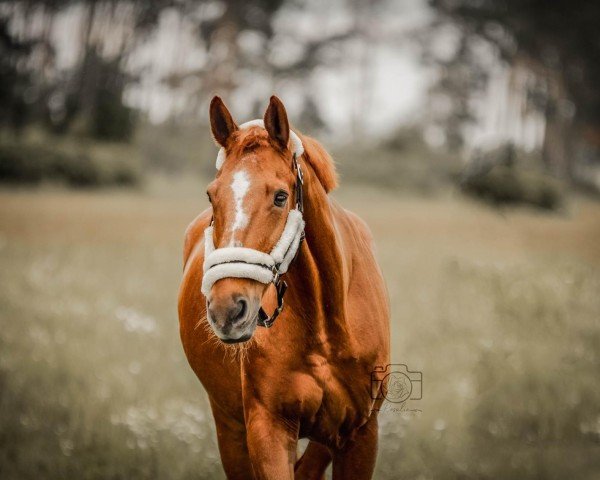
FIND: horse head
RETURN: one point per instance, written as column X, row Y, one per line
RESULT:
column 254, row 199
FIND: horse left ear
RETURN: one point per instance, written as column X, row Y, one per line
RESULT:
column 276, row 122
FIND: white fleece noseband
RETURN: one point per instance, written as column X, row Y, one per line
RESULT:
column 240, row 262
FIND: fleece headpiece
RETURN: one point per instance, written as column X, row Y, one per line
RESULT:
column 297, row 147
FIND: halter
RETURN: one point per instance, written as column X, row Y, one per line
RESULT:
column 241, row 262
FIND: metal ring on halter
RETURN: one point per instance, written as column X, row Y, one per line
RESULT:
column 276, row 274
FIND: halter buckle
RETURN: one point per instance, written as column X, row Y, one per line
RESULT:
column 300, row 174
column 276, row 275
column 265, row 320
column 299, row 184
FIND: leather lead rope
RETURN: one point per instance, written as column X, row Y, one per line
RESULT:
column 265, row 320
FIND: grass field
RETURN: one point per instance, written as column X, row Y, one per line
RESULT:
column 500, row 311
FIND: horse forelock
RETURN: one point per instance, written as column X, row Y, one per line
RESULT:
column 252, row 139
column 249, row 140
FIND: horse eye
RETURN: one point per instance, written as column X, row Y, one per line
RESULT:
column 280, row 198
column 209, row 199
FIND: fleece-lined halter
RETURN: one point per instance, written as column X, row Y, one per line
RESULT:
column 241, row 262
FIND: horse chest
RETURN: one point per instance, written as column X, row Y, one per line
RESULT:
column 336, row 403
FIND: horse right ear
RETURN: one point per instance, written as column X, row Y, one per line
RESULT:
column 221, row 121
column 276, row 122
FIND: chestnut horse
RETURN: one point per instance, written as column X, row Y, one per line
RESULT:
column 309, row 375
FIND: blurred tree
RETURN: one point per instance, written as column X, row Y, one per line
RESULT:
column 247, row 49
column 87, row 96
column 111, row 119
column 78, row 83
column 15, row 79
column 219, row 26
column 461, row 76
column 92, row 94
column 221, row 37
column 560, row 42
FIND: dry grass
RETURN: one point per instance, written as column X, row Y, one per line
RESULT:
column 498, row 310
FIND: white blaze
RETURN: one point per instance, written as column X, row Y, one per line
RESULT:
column 240, row 186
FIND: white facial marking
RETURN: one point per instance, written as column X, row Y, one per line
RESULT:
column 240, row 186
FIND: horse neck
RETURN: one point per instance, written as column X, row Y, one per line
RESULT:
column 317, row 280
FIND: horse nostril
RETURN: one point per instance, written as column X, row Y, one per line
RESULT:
column 239, row 311
column 212, row 314
column 228, row 313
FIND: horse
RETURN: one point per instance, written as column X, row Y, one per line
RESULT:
column 271, row 223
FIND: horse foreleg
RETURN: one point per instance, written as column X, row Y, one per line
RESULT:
column 271, row 445
column 313, row 462
column 356, row 460
column 231, row 437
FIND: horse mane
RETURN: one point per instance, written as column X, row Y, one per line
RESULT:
column 321, row 162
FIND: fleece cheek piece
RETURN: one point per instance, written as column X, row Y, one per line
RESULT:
column 240, row 262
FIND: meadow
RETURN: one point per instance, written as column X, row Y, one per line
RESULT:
column 499, row 310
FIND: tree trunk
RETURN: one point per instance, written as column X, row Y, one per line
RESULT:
column 558, row 148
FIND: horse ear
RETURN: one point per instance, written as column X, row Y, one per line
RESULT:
column 221, row 121
column 276, row 122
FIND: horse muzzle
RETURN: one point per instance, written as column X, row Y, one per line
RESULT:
column 232, row 316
